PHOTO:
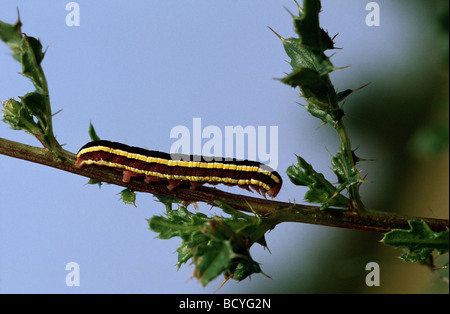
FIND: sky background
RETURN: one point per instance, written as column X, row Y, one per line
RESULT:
column 137, row 69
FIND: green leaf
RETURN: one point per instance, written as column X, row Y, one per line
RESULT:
column 92, row 134
column 307, row 27
column 243, row 269
column 419, row 241
column 31, row 56
column 212, row 260
column 37, row 105
column 128, row 197
column 180, row 222
column 95, row 181
column 337, row 163
column 344, row 94
column 309, row 72
column 304, row 57
column 12, row 35
column 187, row 249
column 329, row 115
column 320, row 190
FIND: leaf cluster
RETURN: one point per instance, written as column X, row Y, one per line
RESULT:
column 215, row 245
column 310, row 73
column 419, row 241
column 33, row 112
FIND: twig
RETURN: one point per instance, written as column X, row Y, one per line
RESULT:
column 274, row 211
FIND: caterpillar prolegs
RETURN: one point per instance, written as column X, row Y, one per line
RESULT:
column 191, row 169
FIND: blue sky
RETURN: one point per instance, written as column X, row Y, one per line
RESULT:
column 137, row 69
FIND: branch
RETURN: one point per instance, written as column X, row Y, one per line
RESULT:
column 275, row 211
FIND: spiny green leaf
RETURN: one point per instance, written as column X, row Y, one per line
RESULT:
column 304, row 57
column 37, row 104
column 308, row 29
column 11, row 34
column 244, row 268
column 95, row 181
column 212, row 260
column 320, row 190
column 180, row 222
column 328, row 115
column 31, row 56
column 337, row 163
column 128, row 197
column 187, row 249
column 419, row 241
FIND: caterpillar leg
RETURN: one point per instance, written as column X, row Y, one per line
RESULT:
column 173, row 184
column 195, row 185
column 127, row 176
column 149, row 179
column 245, row 187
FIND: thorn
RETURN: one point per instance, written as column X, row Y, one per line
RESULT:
column 364, row 181
column 323, row 123
column 258, row 217
column 292, row 15
column 362, row 159
column 341, row 68
column 282, row 39
column 19, row 22
column 357, row 159
column 221, row 285
column 332, row 55
column 57, row 112
column 45, row 51
column 360, row 87
column 298, row 6
column 263, row 273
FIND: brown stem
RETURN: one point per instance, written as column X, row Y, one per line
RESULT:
column 275, row 211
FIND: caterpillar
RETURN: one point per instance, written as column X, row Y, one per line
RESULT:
column 182, row 169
